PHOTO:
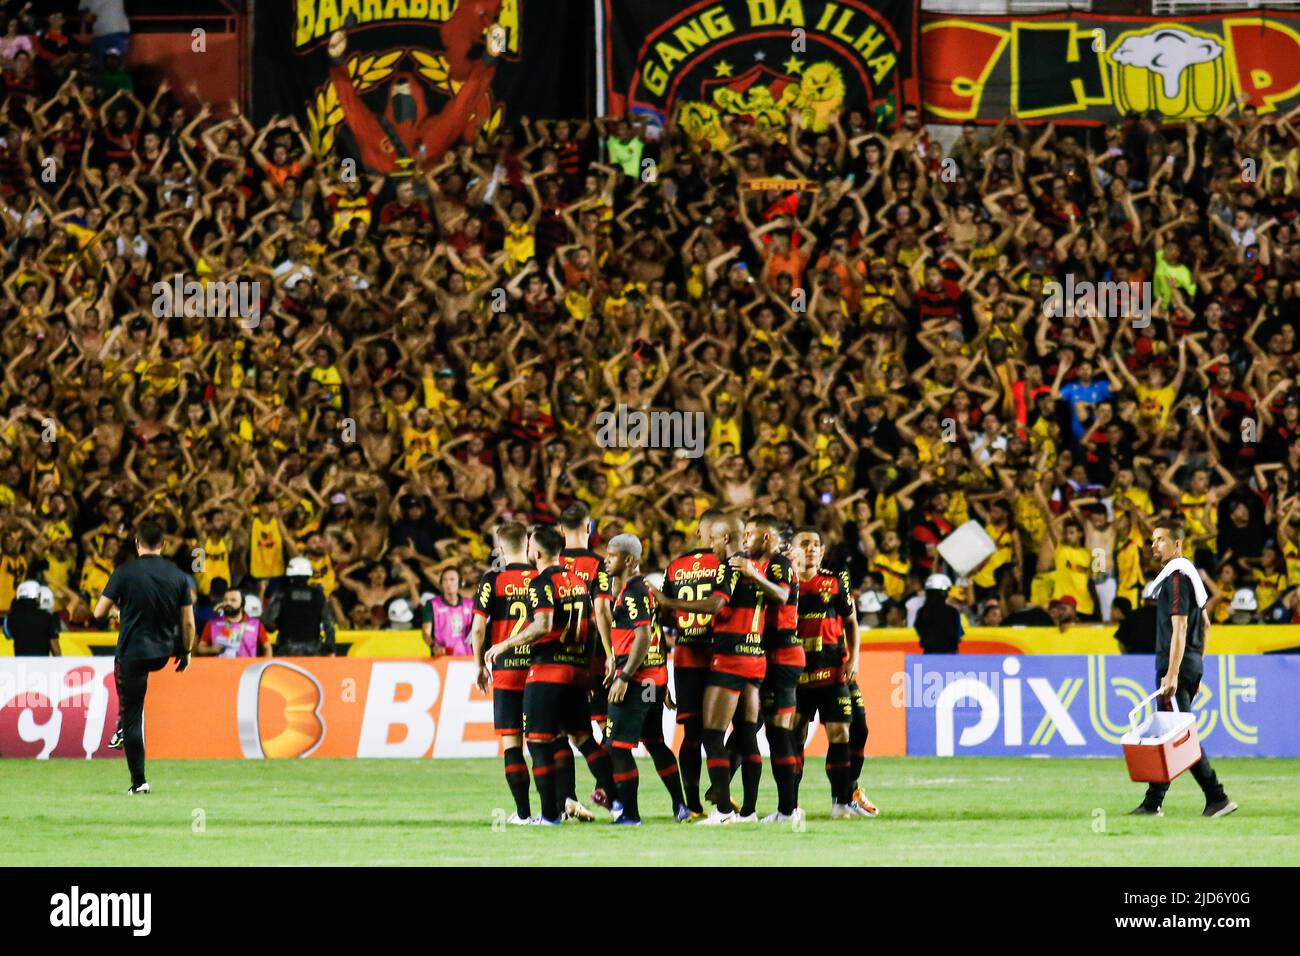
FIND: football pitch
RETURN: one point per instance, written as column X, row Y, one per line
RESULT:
column 935, row 811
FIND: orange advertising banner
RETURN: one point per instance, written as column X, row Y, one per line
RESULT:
column 357, row 707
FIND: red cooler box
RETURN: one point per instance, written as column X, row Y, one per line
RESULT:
column 1162, row 746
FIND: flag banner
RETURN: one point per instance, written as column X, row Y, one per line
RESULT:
column 395, row 85
column 758, row 61
column 1096, row 69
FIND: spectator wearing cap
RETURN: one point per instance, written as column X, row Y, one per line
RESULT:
column 1064, row 611
column 446, row 617
column 938, row 624
column 1244, row 607
column 400, row 615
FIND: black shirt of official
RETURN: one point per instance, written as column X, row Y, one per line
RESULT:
column 150, row 592
column 1176, row 596
column 31, row 628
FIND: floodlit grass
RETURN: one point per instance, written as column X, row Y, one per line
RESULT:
column 935, row 811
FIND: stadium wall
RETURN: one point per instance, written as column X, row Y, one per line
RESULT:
column 967, row 705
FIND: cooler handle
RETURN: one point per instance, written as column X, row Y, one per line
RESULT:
column 1136, row 712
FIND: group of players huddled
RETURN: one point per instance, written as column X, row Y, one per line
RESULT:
column 758, row 630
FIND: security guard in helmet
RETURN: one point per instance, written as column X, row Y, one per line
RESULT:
column 31, row 623
column 301, row 614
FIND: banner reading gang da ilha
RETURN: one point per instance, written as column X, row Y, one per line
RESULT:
column 759, row 60
column 1095, row 69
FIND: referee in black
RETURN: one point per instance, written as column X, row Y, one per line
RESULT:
column 1181, row 626
column 157, row 623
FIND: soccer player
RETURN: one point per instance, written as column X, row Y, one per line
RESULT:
column 575, row 523
column 640, row 684
column 555, row 690
column 828, row 630
column 785, row 665
column 737, row 666
column 500, row 612
column 690, row 577
column 1181, row 628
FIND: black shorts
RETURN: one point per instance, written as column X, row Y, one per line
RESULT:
column 831, row 703
column 778, row 690
column 732, row 683
column 688, row 691
column 507, row 711
column 638, row 716
column 552, row 709
column 859, row 708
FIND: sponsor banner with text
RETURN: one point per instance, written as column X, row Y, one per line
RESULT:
column 1092, row 68
column 305, row 707
column 1078, row 706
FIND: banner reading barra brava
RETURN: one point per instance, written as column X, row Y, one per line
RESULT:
column 394, row 85
column 759, row 60
column 1096, row 68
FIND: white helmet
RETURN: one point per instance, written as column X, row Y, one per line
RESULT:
column 28, row 589
column 299, row 567
column 46, row 599
column 399, row 612
column 1244, row 600
column 938, row 582
column 253, row 605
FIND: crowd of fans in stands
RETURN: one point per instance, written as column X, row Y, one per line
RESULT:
column 871, row 352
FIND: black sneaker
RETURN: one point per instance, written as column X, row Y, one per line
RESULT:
column 1220, row 808
column 1142, row 810
column 116, row 741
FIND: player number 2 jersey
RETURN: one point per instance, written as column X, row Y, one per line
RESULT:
column 502, row 598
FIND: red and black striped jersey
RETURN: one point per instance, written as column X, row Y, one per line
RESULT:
column 502, row 599
column 738, row 625
column 565, row 595
column 781, row 621
column 825, row 603
column 636, row 608
column 690, row 577
column 589, row 566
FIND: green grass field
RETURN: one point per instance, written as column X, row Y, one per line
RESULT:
column 373, row 812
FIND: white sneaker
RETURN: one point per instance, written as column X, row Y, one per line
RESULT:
column 842, row 811
column 776, row 816
column 132, row 791
column 717, row 818
column 515, row 820
column 752, row 818
column 574, row 810
column 858, row 810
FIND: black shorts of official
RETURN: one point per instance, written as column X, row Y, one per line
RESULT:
column 597, row 699
column 552, row 709
column 638, row 716
column 830, row 703
column 507, row 711
column 779, row 690
column 688, row 691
